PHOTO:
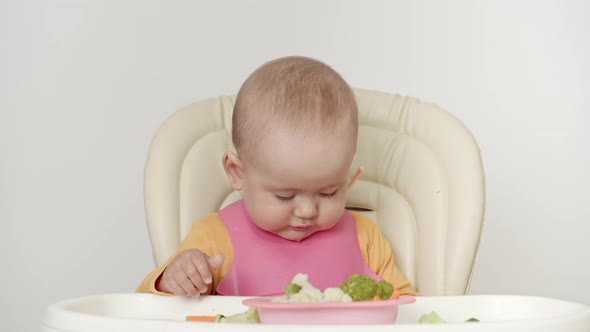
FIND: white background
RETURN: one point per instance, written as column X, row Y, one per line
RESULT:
column 84, row 85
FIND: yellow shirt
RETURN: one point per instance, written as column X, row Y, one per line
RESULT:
column 210, row 236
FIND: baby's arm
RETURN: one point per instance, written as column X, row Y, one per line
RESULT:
column 189, row 273
column 207, row 239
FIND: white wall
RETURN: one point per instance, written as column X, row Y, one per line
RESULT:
column 85, row 84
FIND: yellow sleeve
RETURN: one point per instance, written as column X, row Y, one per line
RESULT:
column 378, row 255
column 208, row 235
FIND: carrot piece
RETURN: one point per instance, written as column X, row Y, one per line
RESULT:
column 201, row 318
column 376, row 298
column 395, row 294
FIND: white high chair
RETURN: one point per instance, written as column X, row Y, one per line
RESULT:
column 423, row 183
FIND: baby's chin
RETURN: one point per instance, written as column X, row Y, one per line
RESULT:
column 293, row 235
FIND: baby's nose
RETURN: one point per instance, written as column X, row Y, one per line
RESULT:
column 306, row 210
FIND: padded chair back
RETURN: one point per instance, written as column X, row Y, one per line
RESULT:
column 423, row 183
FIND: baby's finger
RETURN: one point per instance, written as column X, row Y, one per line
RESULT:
column 172, row 285
column 187, row 286
column 215, row 262
column 193, row 274
column 185, row 283
column 203, row 269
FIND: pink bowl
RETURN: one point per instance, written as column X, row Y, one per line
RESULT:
column 363, row 312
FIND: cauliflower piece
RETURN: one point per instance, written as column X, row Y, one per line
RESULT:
column 299, row 290
column 335, row 294
column 306, row 295
column 301, row 280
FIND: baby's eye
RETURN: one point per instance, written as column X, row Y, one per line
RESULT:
column 329, row 195
column 284, row 198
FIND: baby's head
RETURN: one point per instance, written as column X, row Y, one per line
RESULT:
column 294, row 94
column 295, row 131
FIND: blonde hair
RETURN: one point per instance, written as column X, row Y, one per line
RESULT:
column 297, row 93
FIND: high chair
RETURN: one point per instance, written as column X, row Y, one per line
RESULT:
column 423, row 183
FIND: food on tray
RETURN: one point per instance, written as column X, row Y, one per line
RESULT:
column 431, row 318
column 201, row 318
column 248, row 316
column 434, row 318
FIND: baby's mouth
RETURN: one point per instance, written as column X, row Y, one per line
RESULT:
column 300, row 228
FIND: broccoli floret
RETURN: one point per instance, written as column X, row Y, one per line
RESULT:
column 291, row 289
column 431, row 318
column 384, row 290
column 364, row 288
column 434, row 318
column 249, row 316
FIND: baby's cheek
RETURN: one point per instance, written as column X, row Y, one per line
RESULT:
column 269, row 218
column 334, row 213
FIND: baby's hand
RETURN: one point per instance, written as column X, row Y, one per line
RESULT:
column 189, row 273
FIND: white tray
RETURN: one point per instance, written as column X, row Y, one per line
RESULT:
column 148, row 312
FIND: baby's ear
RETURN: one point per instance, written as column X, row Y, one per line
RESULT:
column 234, row 170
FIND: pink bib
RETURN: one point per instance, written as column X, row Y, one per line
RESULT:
column 264, row 263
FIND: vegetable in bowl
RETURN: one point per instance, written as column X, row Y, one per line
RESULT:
column 364, row 288
column 358, row 300
column 356, row 288
column 300, row 290
column 351, row 302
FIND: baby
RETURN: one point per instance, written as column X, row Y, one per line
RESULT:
column 295, row 128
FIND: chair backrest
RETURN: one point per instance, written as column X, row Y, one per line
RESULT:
column 423, row 183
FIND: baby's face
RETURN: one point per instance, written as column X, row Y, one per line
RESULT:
column 295, row 186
